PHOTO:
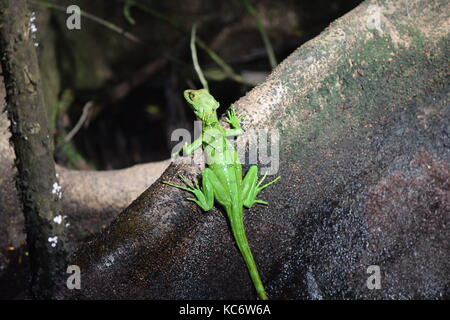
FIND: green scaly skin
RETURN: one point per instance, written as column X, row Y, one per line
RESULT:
column 222, row 180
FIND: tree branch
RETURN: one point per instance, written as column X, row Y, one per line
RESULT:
column 36, row 180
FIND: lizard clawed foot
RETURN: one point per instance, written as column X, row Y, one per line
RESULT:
column 267, row 184
column 190, row 187
column 232, row 118
column 200, row 198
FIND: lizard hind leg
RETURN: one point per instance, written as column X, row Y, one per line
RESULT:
column 251, row 187
column 204, row 196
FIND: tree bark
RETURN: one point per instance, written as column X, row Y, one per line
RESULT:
column 36, row 180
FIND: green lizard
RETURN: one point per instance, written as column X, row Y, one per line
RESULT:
column 222, row 180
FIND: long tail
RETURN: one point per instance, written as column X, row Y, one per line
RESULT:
column 237, row 227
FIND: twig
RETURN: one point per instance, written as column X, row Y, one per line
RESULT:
column 195, row 59
column 156, row 15
column 80, row 122
column 265, row 38
column 221, row 63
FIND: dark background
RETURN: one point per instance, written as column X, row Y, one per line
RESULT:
column 134, row 109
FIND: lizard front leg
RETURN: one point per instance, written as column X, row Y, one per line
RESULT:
column 234, row 122
column 189, row 148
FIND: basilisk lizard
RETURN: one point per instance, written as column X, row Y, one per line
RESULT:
column 222, row 179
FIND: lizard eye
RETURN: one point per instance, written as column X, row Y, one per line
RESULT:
column 191, row 95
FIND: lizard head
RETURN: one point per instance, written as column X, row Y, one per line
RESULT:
column 203, row 103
